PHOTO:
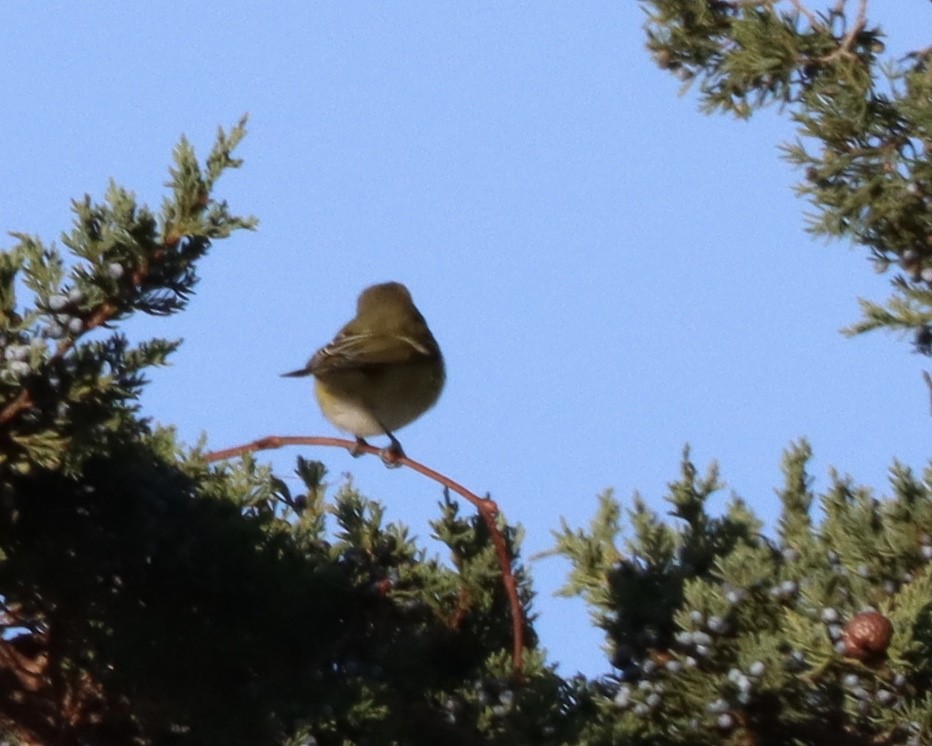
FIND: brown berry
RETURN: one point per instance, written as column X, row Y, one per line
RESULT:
column 867, row 635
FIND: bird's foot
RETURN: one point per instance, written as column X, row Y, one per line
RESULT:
column 392, row 454
column 357, row 450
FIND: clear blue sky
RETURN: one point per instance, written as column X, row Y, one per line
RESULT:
column 610, row 273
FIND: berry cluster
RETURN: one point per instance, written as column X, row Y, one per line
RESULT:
column 925, row 546
column 19, row 356
column 866, row 692
column 643, row 698
column 785, row 590
column 746, row 681
column 644, row 682
column 65, row 317
column 495, row 694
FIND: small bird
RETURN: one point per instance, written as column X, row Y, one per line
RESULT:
column 382, row 370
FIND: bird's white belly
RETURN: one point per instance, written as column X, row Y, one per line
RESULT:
column 353, row 418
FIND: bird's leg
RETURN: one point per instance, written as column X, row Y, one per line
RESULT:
column 392, row 455
column 356, row 451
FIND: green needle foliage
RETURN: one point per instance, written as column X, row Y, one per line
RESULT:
column 864, row 123
column 721, row 635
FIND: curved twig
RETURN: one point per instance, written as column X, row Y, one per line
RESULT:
column 487, row 508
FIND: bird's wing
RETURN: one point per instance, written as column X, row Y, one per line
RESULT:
column 361, row 350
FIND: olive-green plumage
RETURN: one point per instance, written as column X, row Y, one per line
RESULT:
column 383, row 369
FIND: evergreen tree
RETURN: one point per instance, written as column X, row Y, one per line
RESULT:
column 152, row 595
column 721, row 635
column 864, row 122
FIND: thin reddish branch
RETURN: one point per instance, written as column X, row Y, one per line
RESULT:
column 22, row 401
column 487, row 508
